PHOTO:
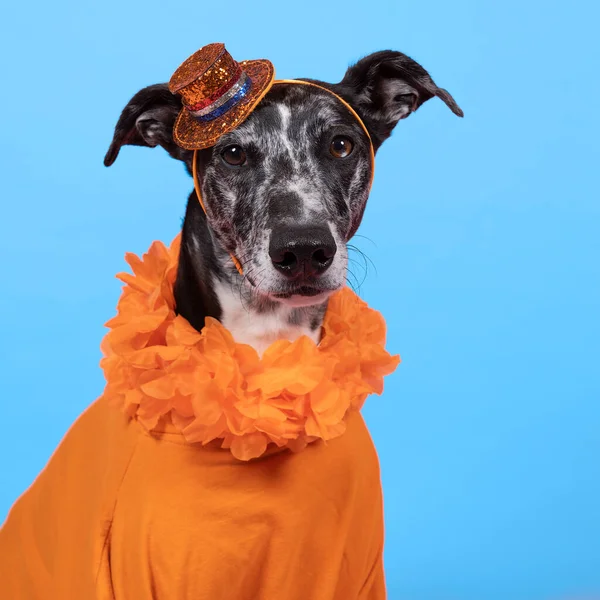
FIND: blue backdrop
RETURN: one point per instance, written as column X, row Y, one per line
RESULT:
column 485, row 234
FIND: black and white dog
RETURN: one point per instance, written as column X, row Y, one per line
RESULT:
column 284, row 193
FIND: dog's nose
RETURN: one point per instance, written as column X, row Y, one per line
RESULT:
column 302, row 252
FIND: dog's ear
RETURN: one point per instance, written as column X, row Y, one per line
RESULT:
column 148, row 120
column 387, row 86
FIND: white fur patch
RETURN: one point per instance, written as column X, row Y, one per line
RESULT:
column 258, row 330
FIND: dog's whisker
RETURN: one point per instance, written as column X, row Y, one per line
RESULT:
column 357, row 283
column 364, row 237
column 352, row 281
column 365, row 257
column 360, row 266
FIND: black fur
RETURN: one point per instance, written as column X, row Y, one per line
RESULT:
column 194, row 294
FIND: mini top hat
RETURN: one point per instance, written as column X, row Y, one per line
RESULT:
column 218, row 93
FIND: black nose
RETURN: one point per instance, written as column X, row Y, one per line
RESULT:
column 302, row 251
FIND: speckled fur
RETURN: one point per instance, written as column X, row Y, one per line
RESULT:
column 290, row 178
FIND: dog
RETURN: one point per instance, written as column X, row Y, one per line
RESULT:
column 284, row 192
column 128, row 511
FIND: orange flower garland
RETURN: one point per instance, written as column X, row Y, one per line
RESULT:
column 212, row 388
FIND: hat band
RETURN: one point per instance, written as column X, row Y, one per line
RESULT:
column 200, row 104
column 229, row 99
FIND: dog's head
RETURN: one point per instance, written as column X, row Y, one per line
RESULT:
column 286, row 190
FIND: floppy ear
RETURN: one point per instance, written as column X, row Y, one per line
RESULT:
column 148, row 120
column 387, row 86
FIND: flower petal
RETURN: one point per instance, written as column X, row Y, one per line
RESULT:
column 249, row 446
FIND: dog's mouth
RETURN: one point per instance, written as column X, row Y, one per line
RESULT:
column 306, row 291
column 299, row 296
column 303, row 296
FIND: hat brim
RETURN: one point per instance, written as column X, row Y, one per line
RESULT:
column 192, row 134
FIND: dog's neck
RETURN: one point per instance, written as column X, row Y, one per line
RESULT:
column 208, row 285
column 259, row 324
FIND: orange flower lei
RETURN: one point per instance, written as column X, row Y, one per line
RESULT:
column 158, row 366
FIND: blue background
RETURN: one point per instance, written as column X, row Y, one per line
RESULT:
column 485, row 234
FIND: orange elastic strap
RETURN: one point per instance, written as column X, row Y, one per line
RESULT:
column 236, row 262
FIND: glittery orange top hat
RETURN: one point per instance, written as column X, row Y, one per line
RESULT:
column 218, row 93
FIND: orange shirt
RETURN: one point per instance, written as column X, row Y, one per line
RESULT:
column 121, row 514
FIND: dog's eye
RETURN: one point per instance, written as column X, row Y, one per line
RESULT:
column 341, row 146
column 234, row 155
